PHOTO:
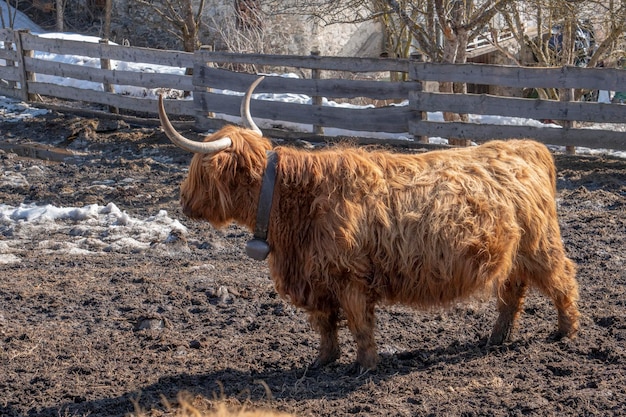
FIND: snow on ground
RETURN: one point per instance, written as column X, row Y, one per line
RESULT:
column 13, row 111
column 91, row 229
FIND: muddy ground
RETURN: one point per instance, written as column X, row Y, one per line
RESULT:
column 98, row 334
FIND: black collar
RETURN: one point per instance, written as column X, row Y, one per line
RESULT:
column 258, row 248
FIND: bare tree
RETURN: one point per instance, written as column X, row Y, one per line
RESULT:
column 11, row 12
column 610, row 17
column 181, row 19
column 458, row 22
column 441, row 29
column 559, row 22
column 410, row 24
column 182, row 22
column 245, row 32
column 566, row 33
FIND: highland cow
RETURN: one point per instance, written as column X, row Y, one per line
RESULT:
column 349, row 228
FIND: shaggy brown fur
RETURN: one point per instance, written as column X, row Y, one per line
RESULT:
column 352, row 228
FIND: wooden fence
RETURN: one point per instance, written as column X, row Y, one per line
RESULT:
column 23, row 75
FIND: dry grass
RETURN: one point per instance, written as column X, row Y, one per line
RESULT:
column 199, row 406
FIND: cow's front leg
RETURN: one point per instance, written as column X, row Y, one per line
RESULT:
column 359, row 312
column 325, row 323
column 510, row 300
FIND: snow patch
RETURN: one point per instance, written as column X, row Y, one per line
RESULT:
column 86, row 230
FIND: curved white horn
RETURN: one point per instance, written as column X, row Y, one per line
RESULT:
column 246, row 119
column 187, row 144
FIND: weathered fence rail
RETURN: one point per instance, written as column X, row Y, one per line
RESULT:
column 521, row 77
column 27, row 69
column 393, row 119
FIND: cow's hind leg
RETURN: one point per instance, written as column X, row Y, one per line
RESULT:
column 325, row 322
column 361, row 322
column 561, row 286
column 510, row 300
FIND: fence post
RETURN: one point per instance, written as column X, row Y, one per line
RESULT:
column 420, row 115
column 105, row 63
column 567, row 94
column 25, row 76
column 207, row 48
column 316, row 74
column 10, row 63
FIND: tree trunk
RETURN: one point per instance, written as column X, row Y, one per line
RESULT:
column 453, row 35
column 190, row 35
column 60, row 26
column 107, row 19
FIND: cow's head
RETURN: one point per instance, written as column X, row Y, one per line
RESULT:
column 224, row 179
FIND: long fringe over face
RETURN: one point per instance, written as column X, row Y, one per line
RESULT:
column 225, row 187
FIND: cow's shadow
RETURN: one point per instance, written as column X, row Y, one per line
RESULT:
column 331, row 382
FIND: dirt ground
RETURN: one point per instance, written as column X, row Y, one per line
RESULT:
column 100, row 334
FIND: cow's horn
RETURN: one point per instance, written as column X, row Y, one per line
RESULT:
column 187, row 144
column 246, row 119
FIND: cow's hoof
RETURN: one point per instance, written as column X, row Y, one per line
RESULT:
column 499, row 335
column 358, row 371
column 367, row 362
column 323, row 360
column 559, row 336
